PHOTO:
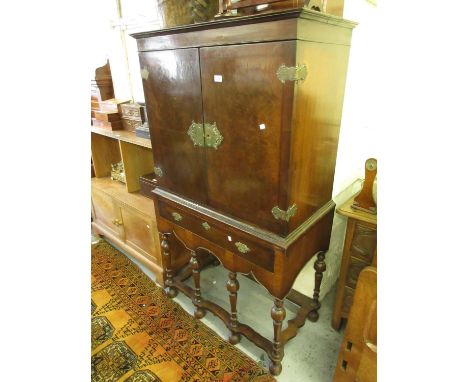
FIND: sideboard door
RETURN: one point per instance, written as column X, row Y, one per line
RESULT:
column 171, row 83
column 252, row 111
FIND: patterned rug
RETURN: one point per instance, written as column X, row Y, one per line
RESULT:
column 140, row 335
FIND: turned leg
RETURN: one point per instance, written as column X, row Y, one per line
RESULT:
column 169, row 282
column 278, row 314
column 199, row 311
column 232, row 286
column 319, row 267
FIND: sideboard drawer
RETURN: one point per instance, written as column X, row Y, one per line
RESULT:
column 364, row 242
column 214, row 232
column 354, row 268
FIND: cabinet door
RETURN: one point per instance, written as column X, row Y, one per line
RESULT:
column 252, row 109
column 171, row 83
column 140, row 233
column 106, row 213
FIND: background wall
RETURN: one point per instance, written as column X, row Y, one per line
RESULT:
column 116, row 19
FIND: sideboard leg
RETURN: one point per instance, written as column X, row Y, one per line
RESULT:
column 169, row 282
column 199, row 311
column 319, row 267
column 232, row 286
column 278, row 314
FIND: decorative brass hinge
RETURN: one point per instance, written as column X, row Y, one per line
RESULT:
column 205, row 135
column 291, row 73
column 278, row 213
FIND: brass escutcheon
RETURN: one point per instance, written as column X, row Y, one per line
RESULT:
column 241, row 247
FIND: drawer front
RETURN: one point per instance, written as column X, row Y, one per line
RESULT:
column 233, row 242
column 364, row 242
column 354, row 269
column 347, row 301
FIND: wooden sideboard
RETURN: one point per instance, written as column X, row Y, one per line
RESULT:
column 359, row 251
column 119, row 212
column 244, row 116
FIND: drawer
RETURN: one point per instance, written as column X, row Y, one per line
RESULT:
column 214, row 232
column 347, row 301
column 364, row 242
column 355, row 267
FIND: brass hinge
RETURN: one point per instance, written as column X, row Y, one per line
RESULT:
column 278, row 213
column 205, row 135
column 291, row 73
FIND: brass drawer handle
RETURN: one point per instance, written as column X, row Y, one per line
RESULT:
column 206, row 226
column 177, row 217
column 117, row 222
column 241, row 247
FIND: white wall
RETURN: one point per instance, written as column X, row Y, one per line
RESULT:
column 359, row 121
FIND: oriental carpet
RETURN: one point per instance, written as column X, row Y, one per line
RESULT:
column 140, row 335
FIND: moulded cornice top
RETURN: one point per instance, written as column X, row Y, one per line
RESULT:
column 219, row 23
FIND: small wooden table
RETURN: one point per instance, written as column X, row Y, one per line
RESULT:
column 359, row 251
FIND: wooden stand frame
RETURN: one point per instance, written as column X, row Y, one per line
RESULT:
column 308, row 307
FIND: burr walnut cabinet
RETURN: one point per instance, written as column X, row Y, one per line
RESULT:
column 244, row 116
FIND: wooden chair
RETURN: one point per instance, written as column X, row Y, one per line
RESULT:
column 357, row 360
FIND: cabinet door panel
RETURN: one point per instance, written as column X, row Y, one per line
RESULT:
column 140, row 232
column 105, row 211
column 173, row 101
column 251, row 108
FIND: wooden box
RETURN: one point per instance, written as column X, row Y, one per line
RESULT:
column 133, row 111
column 112, row 105
column 130, row 125
column 107, row 116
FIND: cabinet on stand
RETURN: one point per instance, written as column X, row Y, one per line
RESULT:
column 244, row 115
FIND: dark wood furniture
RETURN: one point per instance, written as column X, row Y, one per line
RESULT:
column 101, row 87
column 244, row 116
column 359, row 251
column 357, row 360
